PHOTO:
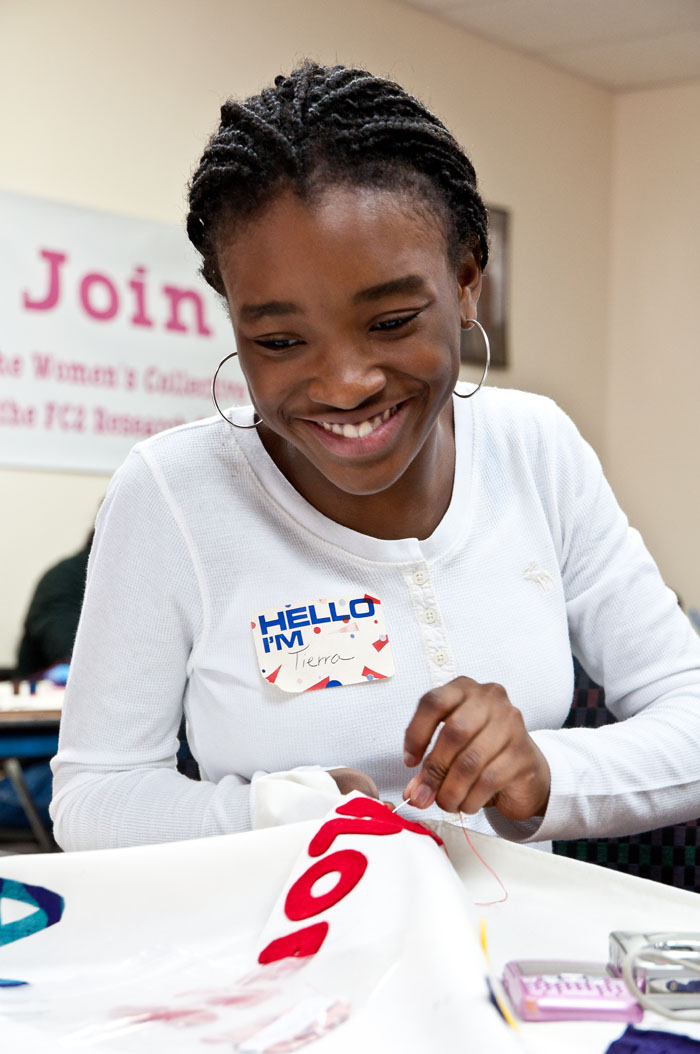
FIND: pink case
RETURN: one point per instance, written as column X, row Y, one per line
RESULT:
column 542, row 990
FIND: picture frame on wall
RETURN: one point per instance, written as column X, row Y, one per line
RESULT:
column 493, row 302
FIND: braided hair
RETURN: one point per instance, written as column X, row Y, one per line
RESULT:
column 323, row 126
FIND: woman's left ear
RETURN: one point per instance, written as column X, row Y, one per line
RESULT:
column 469, row 280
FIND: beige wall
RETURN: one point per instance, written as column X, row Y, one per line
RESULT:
column 111, row 104
column 654, row 367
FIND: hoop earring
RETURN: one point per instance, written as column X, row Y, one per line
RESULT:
column 216, row 404
column 484, row 334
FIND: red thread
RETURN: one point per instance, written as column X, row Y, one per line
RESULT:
column 477, row 854
column 302, row 904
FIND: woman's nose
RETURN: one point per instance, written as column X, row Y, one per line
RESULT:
column 345, row 378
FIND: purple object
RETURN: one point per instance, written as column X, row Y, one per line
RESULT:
column 639, row 1041
column 541, row 990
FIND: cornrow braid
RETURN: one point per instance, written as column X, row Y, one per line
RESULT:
column 321, row 126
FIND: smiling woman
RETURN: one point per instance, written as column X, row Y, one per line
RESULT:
column 360, row 579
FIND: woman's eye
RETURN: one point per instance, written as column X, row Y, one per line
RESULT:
column 388, row 325
column 278, row 343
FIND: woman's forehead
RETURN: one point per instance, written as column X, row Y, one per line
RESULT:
column 362, row 236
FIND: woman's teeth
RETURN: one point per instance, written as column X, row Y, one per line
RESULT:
column 364, row 428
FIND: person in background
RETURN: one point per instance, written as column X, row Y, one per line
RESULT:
column 52, row 619
column 367, row 578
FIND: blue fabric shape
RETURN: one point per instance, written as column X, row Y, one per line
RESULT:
column 49, row 909
column 5, row 982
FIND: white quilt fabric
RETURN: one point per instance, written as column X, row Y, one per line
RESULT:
column 157, row 949
column 157, row 946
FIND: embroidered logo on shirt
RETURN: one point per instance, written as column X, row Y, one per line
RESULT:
column 323, row 644
column 539, row 576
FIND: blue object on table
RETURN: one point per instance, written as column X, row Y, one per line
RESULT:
column 58, row 674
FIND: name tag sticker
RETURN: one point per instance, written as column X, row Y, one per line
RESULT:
column 324, row 644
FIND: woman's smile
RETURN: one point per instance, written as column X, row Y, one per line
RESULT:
column 353, row 436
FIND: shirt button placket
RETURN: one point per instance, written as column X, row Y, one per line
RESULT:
column 431, row 628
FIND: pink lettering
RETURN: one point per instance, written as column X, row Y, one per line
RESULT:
column 10, row 367
column 139, row 318
column 12, row 415
column 65, row 416
column 53, row 293
column 111, row 306
column 176, row 297
column 100, row 298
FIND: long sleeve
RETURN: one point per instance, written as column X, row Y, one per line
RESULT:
column 630, row 635
column 145, row 610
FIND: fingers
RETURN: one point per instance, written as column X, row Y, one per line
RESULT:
column 483, row 754
column 433, row 708
column 472, row 778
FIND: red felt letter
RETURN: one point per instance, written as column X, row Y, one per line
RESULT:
column 303, row 942
column 377, row 810
column 302, row 904
column 326, row 835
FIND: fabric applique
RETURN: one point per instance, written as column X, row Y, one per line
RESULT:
column 323, row 644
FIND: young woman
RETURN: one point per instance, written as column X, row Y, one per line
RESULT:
column 365, row 578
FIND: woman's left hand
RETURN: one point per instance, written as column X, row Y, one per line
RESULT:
column 483, row 754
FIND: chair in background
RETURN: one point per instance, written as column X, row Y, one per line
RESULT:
column 666, row 854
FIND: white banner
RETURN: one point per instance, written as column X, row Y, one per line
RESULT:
column 168, row 947
column 107, row 335
column 198, row 946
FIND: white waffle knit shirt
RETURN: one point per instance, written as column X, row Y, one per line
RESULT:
column 532, row 560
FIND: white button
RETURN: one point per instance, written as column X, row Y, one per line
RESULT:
column 440, row 658
column 430, row 616
column 419, row 577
